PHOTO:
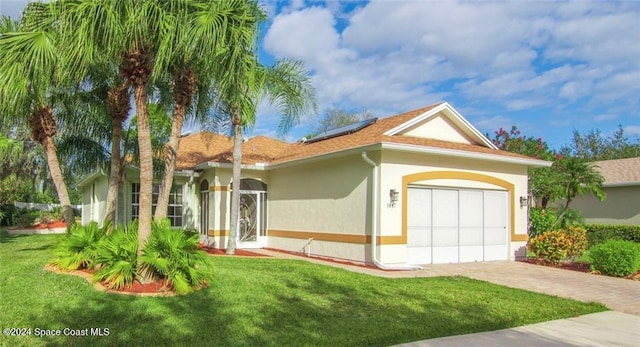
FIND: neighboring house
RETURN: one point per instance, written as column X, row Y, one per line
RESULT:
column 622, row 186
column 426, row 183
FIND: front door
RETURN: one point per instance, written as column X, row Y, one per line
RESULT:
column 252, row 219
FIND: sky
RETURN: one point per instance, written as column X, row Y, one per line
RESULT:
column 547, row 67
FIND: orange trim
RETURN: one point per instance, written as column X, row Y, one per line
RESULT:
column 217, row 232
column 319, row 236
column 333, row 237
column 460, row 175
column 219, row 188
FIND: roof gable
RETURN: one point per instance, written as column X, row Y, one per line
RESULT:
column 441, row 123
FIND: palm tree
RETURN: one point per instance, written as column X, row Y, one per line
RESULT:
column 28, row 63
column 145, row 36
column 193, row 69
column 577, row 178
column 286, row 85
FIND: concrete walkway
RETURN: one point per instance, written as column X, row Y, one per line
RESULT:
column 608, row 328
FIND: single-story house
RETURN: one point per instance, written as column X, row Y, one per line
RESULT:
column 622, row 187
column 425, row 186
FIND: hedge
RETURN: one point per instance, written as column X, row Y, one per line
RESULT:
column 599, row 233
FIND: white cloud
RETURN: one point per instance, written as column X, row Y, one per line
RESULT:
column 632, row 130
column 605, row 117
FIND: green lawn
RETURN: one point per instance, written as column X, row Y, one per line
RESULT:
column 260, row 302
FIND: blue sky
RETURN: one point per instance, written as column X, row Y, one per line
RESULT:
column 547, row 67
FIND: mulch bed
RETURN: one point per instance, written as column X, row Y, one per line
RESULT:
column 156, row 288
column 575, row 266
column 238, row 252
column 50, row 225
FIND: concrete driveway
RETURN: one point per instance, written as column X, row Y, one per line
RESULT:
column 616, row 293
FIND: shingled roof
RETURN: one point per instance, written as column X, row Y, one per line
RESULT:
column 620, row 171
column 208, row 147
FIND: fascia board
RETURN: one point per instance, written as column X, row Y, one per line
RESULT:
column 466, row 154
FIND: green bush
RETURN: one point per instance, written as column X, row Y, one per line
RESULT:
column 116, row 255
column 599, row 233
column 577, row 241
column 615, row 257
column 77, row 248
column 26, row 218
column 558, row 245
column 169, row 254
column 541, row 221
column 176, row 256
column 571, row 217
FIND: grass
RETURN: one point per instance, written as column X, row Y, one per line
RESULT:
column 260, row 302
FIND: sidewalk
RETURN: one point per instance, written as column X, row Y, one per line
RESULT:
column 608, row 328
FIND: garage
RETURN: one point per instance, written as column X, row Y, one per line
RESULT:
column 456, row 225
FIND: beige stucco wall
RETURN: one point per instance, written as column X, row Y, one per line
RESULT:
column 329, row 196
column 326, row 200
column 396, row 165
column 439, row 128
column 622, row 206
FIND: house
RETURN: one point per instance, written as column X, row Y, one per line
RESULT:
column 622, row 187
column 425, row 186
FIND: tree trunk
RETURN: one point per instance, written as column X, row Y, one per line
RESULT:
column 171, row 150
column 114, row 175
column 235, row 187
column 146, row 175
column 118, row 107
column 58, row 180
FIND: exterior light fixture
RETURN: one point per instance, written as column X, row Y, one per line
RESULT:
column 524, row 201
column 393, row 197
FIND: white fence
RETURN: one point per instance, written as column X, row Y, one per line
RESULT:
column 42, row 207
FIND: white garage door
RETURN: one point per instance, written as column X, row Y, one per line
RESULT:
column 451, row 226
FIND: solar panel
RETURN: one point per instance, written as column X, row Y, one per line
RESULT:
column 347, row 129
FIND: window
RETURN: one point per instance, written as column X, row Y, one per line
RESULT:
column 174, row 211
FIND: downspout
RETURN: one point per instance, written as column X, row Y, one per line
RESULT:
column 374, row 222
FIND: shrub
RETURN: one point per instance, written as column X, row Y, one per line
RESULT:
column 9, row 211
column 176, row 256
column 26, row 217
column 541, row 221
column 77, row 248
column 571, row 217
column 116, row 255
column 615, row 257
column 599, row 233
column 577, row 241
column 558, row 245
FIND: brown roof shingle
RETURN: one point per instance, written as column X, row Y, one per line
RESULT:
column 202, row 147
column 620, row 171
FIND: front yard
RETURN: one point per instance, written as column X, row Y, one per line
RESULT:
column 255, row 301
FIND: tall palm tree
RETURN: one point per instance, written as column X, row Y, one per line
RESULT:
column 193, row 69
column 146, row 36
column 28, row 62
column 286, row 85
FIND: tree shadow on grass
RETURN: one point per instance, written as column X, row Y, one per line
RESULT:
column 5, row 237
column 320, row 311
column 136, row 321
